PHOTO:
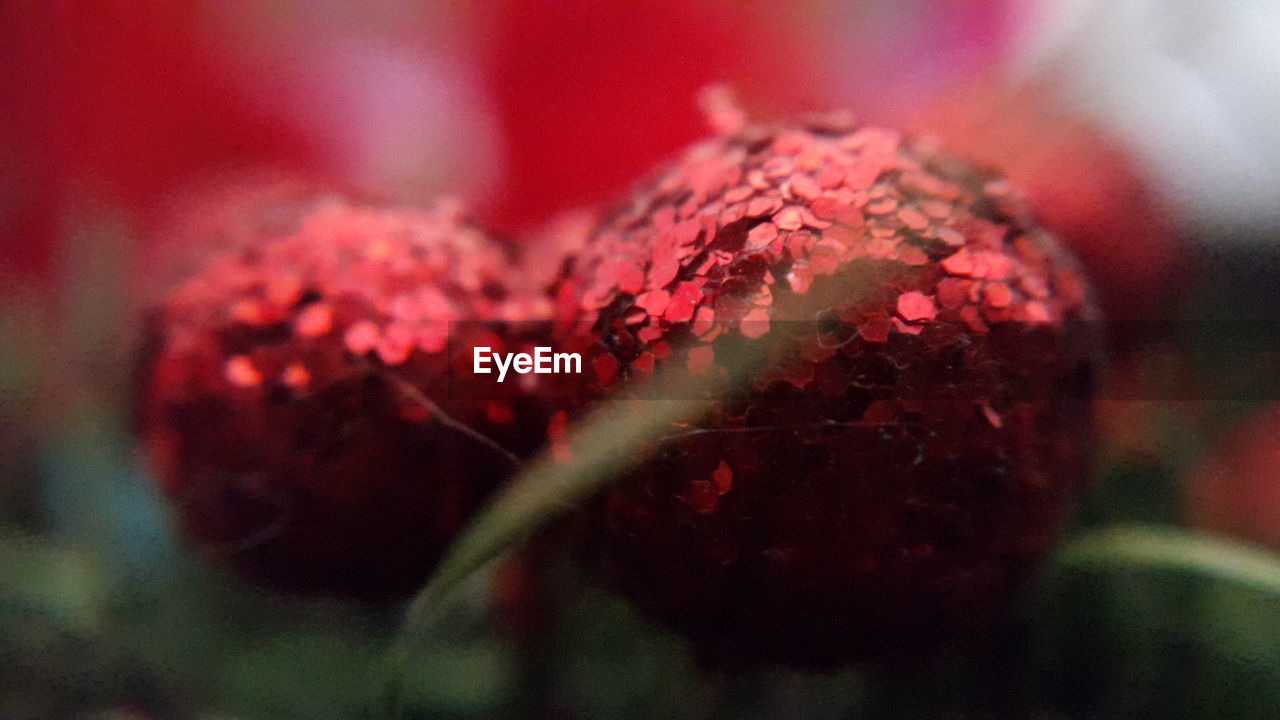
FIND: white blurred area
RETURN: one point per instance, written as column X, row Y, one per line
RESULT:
column 1191, row 86
column 390, row 91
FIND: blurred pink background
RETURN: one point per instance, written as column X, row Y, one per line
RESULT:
column 522, row 108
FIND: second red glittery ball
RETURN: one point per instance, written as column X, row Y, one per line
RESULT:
column 307, row 401
column 911, row 452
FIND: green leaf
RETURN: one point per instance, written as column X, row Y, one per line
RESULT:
column 58, row 656
column 612, row 438
column 545, row 491
column 316, row 675
column 62, row 583
column 1159, row 622
column 608, row 441
column 1171, row 549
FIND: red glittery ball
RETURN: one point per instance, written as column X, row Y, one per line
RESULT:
column 912, row 450
column 308, row 405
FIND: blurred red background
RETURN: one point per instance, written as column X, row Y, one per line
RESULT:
column 523, row 108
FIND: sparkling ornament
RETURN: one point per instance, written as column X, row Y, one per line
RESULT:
column 910, row 453
column 308, row 404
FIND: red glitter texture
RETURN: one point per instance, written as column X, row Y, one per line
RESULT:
column 905, row 464
column 308, row 405
column 1083, row 185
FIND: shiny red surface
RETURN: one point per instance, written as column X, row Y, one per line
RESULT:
column 903, row 465
column 307, row 399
